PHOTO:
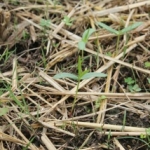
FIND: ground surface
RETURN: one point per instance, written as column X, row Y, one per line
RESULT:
column 40, row 39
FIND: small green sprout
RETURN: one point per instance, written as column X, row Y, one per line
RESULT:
column 81, row 76
column 3, row 111
column 87, row 33
column 67, row 21
column 99, row 100
column 147, row 64
column 129, row 80
column 119, row 32
column 132, row 87
column 45, row 23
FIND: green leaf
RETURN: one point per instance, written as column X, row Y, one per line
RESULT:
column 129, row 80
column 87, row 33
column 148, row 131
column 65, row 75
column 85, row 37
column 45, row 23
column 83, row 73
column 81, row 45
column 67, row 21
column 98, row 103
column 108, row 28
column 131, row 27
column 3, row 111
column 142, row 136
column 109, row 54
column 147, row 64
column 93, row 74
column 136, row 88
column 99, row 100
column 130, row 87
column 103, row 97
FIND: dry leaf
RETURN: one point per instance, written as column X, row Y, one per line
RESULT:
column 33, row 33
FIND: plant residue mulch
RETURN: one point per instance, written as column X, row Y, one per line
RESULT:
column 40, row 39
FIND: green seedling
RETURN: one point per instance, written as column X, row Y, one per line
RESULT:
column 147, row 64
column 45, row 23
column 25, row 35
column 146, row 136
column 67, row 21
column 129, row 81
column 87, row 33
column 132, row 87
column 119, row 32
column 81, row 76
column 143, row 136
column 99, row 101
column 55, row 45
column 3, row 111
column 109, row 54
